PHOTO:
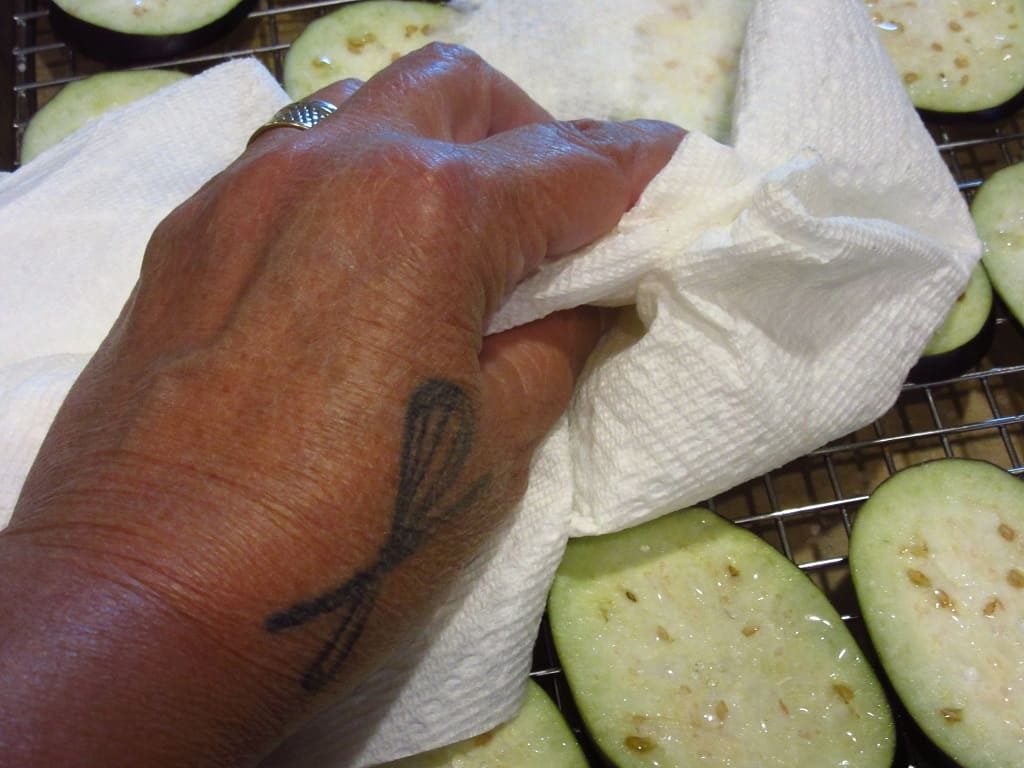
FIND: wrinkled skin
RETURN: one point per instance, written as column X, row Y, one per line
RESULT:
column 239, row 446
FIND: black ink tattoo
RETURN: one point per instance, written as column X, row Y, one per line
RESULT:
column 437, row 438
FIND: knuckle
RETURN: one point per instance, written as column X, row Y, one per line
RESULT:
column 587, row 136
column 263, row 167
column 458, row 228
column 452, row 53
column 596, row 149
column 448, row 180
column 454, row 63
column 435, row 182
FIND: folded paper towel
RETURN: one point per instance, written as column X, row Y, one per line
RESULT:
column 784, row 285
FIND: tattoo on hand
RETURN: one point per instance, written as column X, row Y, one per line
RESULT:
column 437, row 438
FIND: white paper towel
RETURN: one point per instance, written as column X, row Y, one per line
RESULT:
column 784, row 285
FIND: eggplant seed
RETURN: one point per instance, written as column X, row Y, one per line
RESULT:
column 844, row 692
column 722, row 711
column 992, row 606
column 640, row 743
column 917, row 578
column 952, row 715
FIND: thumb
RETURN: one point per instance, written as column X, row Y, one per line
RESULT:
column 528, row 373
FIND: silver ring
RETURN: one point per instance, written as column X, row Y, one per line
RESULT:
column 300, row 114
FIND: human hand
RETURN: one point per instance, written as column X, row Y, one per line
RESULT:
column 296, row 432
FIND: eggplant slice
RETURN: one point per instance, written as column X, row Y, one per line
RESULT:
column 937, row 557
column 998, row 212
column 689, row 641
column 962, row 58
column 127, row 32
column 672, row 61
column 537, row 737
column 965, row 335
column 360, row 39
column 83, row 100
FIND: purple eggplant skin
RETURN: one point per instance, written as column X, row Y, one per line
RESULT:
column 987, row 115
column 122, row 49
column 948, row 365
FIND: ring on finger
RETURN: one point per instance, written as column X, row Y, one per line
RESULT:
column 299, row 114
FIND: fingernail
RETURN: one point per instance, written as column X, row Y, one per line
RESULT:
column 658, row 126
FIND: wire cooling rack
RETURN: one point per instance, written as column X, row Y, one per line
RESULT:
column 805, row 508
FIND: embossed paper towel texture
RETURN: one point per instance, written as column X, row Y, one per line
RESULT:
column 783, row 286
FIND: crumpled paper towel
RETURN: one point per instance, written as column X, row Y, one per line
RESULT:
column 784, row 285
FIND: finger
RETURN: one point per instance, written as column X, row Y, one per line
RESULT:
column 446, row 92
column 338, row 93
column 563, row 185
column 529, row 373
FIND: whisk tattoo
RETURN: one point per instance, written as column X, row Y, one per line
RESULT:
column 437, row 438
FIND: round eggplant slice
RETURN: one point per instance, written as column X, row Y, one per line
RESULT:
column 640, row 54
column 956, row 57
column 360, row 39
column 689, row 641
column 126, row 32
column 537, row 737
column 937, row 556
column 965, row 335
column 998, row 212
column 80, row 101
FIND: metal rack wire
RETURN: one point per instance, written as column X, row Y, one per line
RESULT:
column 806, row 508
